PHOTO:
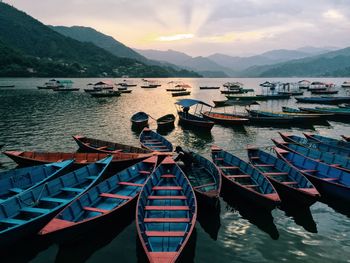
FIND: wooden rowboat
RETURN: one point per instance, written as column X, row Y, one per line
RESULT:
column 329, row 180
column 154, row 142
column 166, row 213
column 323, row 147
column 119, row 162
column 32, row 209
column 166, row 122
column 140, row 119
column 327, row 140
column 336, row 160
column 99, row 146
column 242, row 177
column 110, row 198
column 224, row 118
column 205, row 178
column 16, row 181
column 290, row 183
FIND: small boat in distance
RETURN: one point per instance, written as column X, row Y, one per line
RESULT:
column 65, row 85
column 126, row 83
column 166, row 213
column 244, row 179
column 304, row 84
column 6, row 86
column 51, row 84
column 105, row 93
column 139, row 119
column 155, row 142
column 87, row 144
column 180, row 93
column 346, row 84
column 189, row 119
column 324, row 100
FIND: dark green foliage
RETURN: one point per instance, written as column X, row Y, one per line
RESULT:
column 37, row 50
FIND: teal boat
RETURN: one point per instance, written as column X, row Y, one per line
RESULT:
column 26, row 214
column 335, row 160
column 17, row 181
column 330, row 141
column 260, row 97
column 345, row 112
column 154, row 142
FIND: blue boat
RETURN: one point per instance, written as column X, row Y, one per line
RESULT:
column 101, row 203
column 324, row 100
column 335, row 160
column 290, row 183
column 245, row 179
column 166, row 213
column 327, row 140
column 16, row 181
column 323, row 147
column 31, row 210
column 139, row 119
column 205, row 178
column 329, row 180
column 155, row 142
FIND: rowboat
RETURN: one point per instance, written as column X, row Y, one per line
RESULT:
column 291, row 93
column 224, row 118
column 192, row 120
column 324, row 100
column 323, row 147
column 150, row 86
column 336, row 112
column 105, row 93
column 245, row 179
column 6, row 86
column 328, row 180
column 204, row 177
column 32, row 209
column 180, row 93
column 209, row 87
column 346, row 84
column 166, row 213
column 289, row 182
column 298, row 111
column 335, row 160
column 126, row 83
column 125, row 91
column 101, row 203
column 327, row 140
column 87, row 144
column 51, row 84
column 263, row 120
column 166, row 122
column 155, row 142
column 176, row 89
column 259, row 97
column 220, row 103
column 324, row 92
column 295, row 117
column 119, row 162
column 16, row 181
column 103, row 85
column 139, row 119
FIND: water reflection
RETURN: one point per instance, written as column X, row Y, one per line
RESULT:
column 24, row 251
column 339, row 207
column 82, row 248
column 209, row 219
column 301, row 215
column 259, row 217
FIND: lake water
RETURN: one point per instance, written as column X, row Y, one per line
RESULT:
column 32, row 119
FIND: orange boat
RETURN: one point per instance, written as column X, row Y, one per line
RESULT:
column 224, row 118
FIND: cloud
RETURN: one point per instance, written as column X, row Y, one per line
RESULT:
column 175, row 37
column 201, row 27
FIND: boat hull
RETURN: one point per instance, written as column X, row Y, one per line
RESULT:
column 195, row 123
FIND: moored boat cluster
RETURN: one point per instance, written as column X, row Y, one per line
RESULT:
column 60, row 195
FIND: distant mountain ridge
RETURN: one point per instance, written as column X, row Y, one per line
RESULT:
column 225, row 65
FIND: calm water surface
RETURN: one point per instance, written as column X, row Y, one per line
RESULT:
column 32, row 119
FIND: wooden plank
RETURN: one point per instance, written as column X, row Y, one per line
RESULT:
column 165, row 197
column 108, row 195
column 166, row 220
column 94, row 209
column 165, row 233
column 170, row 208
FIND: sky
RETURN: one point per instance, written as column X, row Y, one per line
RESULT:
column 204, row 27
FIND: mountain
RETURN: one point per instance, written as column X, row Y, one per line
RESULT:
column 334, row 63
column 170, row 56
column 33, row 40
column 88, row 34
